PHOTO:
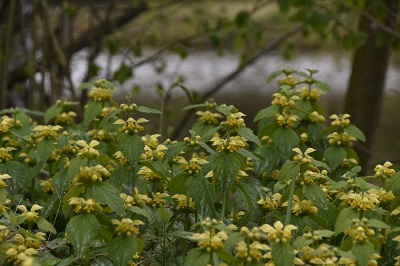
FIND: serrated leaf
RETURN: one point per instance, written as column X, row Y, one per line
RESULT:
column 132, row 147
column 288, row 171
column 105, row 193
column 393, row 184
column 301, row 241
column 140, row 211
column 344, row 219
column 200, row 190
column 285, row 139
column 82, row 229
column 323, row 86
column 52, row 112
column 377, row 224
column 274, row 75
column 92, row 110
column 45, row 225
column 364, row 185
column 75, row 191
column 177, row 184
column 362, row 252
column 74, row 167
column 282, row 254
column 334, row 155
column 45, row 148
column 119, row 176
column 249, row 135
column 226, row 109
column 175, row 149
column 60, row 182
column 197, row 257
column 17, row 171
column 207, row 136
column 164, row 214
column 267, row 112
column 249, row 192
column 354, row 131
column 233, row 238
column 121, row 250
column 225, row 167
column 148, row 110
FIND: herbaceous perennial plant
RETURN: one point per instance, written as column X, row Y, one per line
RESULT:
column 106, row 191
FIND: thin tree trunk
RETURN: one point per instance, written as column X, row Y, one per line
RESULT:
column 367, row 81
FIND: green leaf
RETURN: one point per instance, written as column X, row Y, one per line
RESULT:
column 282, row 254
column 225, row 167
column 105, row 193
column 377, row 224
column 233, row 238
column 60, row 182
column 45, row 225
column 319, row 21
column 165, row 215
column 249, row 135
column 301, row 241
column 354, row 131
column 121, row 250
column 45, row 148
column 267, row 112
column 74, row 167
column 177, row 184
column 52, row 112
column 119, row 176
column 285, row 138
column 197, row 257
column 140, row 211
column 123, row 73
column 17, row 172
column 75, row 191
column 334, row 155
column 92, row 110
column 242, row 19
column 132, row 147
column 362, row 252
column 323, row 86
column 148, row 110
column 344, row 219
column 277, row 72
column 364, row 185
column 200, row 190
column 82, row 229
column 175, row 149
column 249, row 192
column 85, row 85
column 393, row 184
column 288, row 171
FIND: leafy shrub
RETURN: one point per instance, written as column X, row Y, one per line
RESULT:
column 103, row 192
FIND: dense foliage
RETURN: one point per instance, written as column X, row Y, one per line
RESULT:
column 106, row 192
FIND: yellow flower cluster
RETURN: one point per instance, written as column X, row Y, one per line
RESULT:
column 7, row 123
column 65, row 118
column 278, row 233
column 69, row 149
column 121, row 158
column 91, row 174
column 282, row 100
column 128, row 108
column 82, row 205
column 300, row 207
column 20, row 255
column 250, row 252
column 131, row 126
column 341, row 139
column 100, row 94
column 310, row 177
column 211, row 241
column 136, row 199
column 315, row 117
column 310, row 94
column 288, row 80
column 156, row 201
column 45, row 132
column 126, row 227
column 385, row 197
column 232, row 144
column 88, row 150
column 150, row 154
column 363, row 201
column 208, row 117
column 184, row 203
column 105, row 111
column 193, row 167
column 47, row 186
column 30, row 216
column 301, row 157
column 149, row 175
column 383, row 171
column 359, row 230
column 151, row 140
column 285, row 119
column 269, row 204
column 234, row 121
column 340, row 120
column 100, row 134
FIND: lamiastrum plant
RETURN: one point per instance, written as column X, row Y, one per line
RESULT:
column 106, row 191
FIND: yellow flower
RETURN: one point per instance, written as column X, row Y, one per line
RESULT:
column 46, row 132
column 91, row 205
column 126, row 227
column 31, row 215
column 78, row 202
column 35, row 242
column 286, row 119
column 279, row 99
column 301, row 207
column 4, row 154
column 65, row 118
column 131, row 126
column 184, row 203
column 278, row 233
column 100, row 94
column 315, row 117
column 193, row 167
column 87, row 149
column 208, row 117
column 2, row 177
column 19, row 254
column 383, row 171
column 361, row 201
column 303, row 158
column 151, row 154
column 210, row 241
column 92, row 174
column 151, row 140
column 340, row 120
column 342, row 139
column 149, row 175
column 120, row 156
column 269, row 204
column 309, row 94
column 47, row 186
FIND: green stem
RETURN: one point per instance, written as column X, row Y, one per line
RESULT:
column 290, row 205
column 224, row 206
column 186, row 228
column 133, row 179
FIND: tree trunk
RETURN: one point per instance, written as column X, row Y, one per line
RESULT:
column 367, row 81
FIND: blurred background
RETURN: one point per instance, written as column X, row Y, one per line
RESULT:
column 217, row 49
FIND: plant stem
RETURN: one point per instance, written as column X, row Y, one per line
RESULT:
column 224, row 206
column 133, row 179
column 186, row 228
column 290, row 205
